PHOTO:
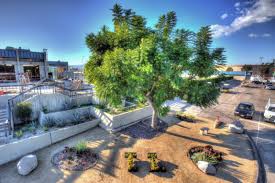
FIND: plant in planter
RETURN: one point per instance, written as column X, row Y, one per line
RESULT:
column 81, row 147
column 130, row 161
column 60, row 123
column 155, row 165
column 49, row 122
column 19, row 134
column 32, row 127
column 23, row 111
column 207, row 154
column 76, row 118
column 44, row 109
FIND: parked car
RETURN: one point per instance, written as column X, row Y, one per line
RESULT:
column 257, row 79
column 270, row 86
column 269, row 113
column 245, row 110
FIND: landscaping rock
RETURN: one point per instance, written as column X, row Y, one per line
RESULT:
column 236, row 127
column 27, row 164
column 206, row 167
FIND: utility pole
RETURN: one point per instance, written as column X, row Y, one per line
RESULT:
column 261, row 60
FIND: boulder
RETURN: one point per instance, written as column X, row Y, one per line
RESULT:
column 27, row 164
column 236, row 127
column 206, row 167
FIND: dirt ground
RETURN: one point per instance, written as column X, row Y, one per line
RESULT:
column 172, row 147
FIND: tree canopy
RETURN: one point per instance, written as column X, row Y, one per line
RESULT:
column 147, row 63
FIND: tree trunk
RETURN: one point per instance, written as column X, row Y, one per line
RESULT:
column 154, row 122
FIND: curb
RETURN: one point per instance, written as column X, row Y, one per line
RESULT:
column 260, row 175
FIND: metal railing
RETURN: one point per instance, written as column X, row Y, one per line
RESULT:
column 45, row 87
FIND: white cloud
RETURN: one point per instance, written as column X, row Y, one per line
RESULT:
column 261, row 11
column 266, row 35
column 237, row 4
column 253, row 35
column 224, row 16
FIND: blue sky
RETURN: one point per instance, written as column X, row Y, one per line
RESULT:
column 246, row 29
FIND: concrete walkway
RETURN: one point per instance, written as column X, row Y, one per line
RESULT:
column 9, row 172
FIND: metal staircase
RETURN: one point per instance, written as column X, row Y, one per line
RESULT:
column 4, row 124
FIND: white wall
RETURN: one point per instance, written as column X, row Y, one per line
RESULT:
column 15, row 150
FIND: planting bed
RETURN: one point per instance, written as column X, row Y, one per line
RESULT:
column 71, row 159
column 143, row 130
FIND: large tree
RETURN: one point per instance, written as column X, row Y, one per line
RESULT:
column 148, row 63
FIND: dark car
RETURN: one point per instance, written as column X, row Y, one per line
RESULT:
column 245, row 110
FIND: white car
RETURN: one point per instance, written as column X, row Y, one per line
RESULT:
column 257, row 79
column 269, row 113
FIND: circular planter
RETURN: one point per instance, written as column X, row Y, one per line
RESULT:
column 69, row 159
column 198, row 149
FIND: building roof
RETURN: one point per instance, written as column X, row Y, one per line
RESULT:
column 58, row 63
column 23, row 54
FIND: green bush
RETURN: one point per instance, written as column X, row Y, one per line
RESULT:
column 81, row 147
column 19, row 134
column 130, row 161
column 23, row 111
column 49, row 122
column 202, row 156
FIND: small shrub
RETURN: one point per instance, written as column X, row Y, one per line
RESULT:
column 130, row 161
column 60, row 123
column 32, row 127
column 19, row 134
column 45, row 128
column 81, row 147
column 67, row 105
column 23, row 111
column 49, row 122
column 76, row 118
column 44, row 109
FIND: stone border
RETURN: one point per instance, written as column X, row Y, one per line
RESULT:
column 17, row 149
column 261, row 174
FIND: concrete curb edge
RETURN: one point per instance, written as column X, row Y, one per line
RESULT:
column 261, row 175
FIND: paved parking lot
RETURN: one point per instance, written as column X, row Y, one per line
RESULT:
column 263, row 133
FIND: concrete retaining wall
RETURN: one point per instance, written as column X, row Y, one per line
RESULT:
column 114, row 123
column 15, row 150
column 64, row 116
column 55, row 102
column 67, row 132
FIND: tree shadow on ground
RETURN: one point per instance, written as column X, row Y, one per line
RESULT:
column 227, row 172
column 241, row 150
